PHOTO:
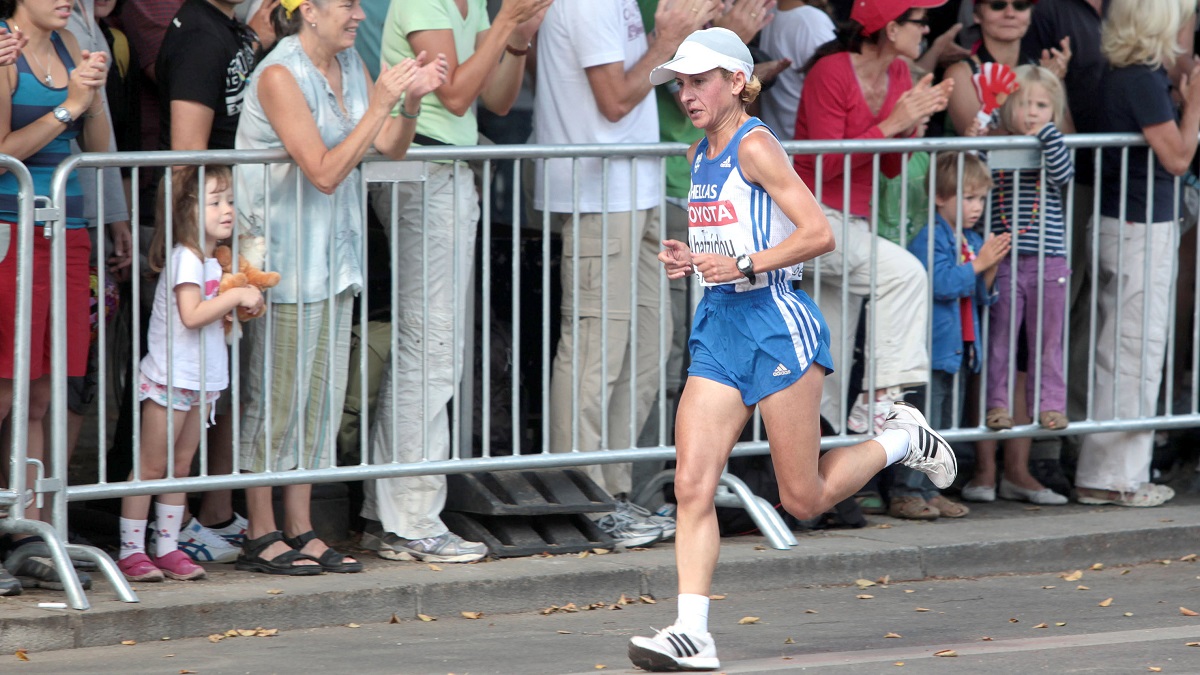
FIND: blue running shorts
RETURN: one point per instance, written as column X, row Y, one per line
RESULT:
column 758, row 342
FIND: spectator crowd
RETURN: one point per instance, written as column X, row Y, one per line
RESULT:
column 998, row 259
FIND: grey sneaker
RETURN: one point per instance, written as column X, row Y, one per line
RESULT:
column 663, row 522
column 444, row 548
column 629, row 530
column 928, row 452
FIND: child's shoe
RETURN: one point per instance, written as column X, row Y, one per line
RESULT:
column 177, row 565
column 138, row 567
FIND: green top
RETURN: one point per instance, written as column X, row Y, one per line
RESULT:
column 673, row 125
column 409, row 16
column 918, row 200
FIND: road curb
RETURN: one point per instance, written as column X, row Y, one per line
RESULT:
column 1046, row 541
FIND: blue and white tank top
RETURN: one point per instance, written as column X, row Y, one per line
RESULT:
column 32, row 98
column 729, row 215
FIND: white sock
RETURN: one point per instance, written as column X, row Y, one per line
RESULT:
column 168, row 521
column 693, row 613
column 895, row 444
column 133, row 537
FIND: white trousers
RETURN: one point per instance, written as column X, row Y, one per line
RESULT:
column 897, row 349
column 1126, row 386
column 430, row 347
column 595, row 379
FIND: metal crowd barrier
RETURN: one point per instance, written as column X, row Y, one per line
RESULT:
column 528, row 448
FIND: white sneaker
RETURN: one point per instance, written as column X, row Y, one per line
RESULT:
column 235, row 532
column 629, row 531
column 928, row 452
column 860, row 422
column 202, row 544
column 664, row 522
column 672, row 649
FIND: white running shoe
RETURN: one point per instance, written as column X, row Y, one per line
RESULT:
column 664, row 522
column 928, row 452
column 202, row 544
column 629, row 531
column 673, row 649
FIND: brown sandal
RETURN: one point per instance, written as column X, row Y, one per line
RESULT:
column 947, row 508
column 999, row 418
column 1053, row 419
column 912, row 508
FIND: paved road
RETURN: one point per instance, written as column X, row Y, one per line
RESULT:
column 828, row 629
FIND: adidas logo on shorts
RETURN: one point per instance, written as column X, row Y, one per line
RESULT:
column 781, row 370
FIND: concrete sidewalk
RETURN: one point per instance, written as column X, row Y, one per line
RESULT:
column 1000, row 538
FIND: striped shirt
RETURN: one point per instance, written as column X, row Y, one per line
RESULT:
column 1032, row 201
column 32, row 99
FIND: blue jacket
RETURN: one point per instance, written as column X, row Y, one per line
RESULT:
column 951, row 282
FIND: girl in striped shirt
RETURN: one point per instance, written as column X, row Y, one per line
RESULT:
column 1028, row 204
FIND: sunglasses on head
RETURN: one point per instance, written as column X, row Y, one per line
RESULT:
column 1001, row 5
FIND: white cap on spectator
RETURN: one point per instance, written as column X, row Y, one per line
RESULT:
column 704, row 50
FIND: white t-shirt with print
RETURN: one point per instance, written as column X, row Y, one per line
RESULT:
column 575, row 35
column 186, row 268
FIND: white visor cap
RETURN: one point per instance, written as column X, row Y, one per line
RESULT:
column 704, row 50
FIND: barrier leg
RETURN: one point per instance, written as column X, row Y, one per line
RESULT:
column 53, row 547
column 732, row 492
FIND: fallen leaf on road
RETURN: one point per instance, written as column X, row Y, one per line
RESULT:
column 215, row 638
column 426, row 618
column 898, row 663
column 274, row 591
column 22, row 655
column 986, row 638
column 747, row 620
column 810, row 611
column 1188, row 558
column 1073, row 576
column 909, row 590
column 946, row 652
column 893, row 635
column 885, row 579
column 1042, row 625
column 624, row 600
column 601, row 551
column 435, row 568
column 231, row 633
column 884, row 526
column 568, row 608
column 716, row 597
column 1154, row 669
column 394, row 619
column 266, row 632
column 1192, row 644
column 1046, row 588
column 599, row 604
column 1187, row 612
column 564, row 632
column 1126, row 571
column 472, row 615
column 1098, row 566
column 760, row 547
column 164, row 639
column 1165, row 562
column 921, row 609
column 584, row 554
column 1014, row 620
column 864, row 583
column 1128, row 613
column 648, row 599
column 864, row 596
column 600, row 666
column 184, row 671
column 246, row 632
column 617, row 607
column 790, row 641
column 1082, row 588
column 1060, row 624
column 129, row 642
column 1106, row 602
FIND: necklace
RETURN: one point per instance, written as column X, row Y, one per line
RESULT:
column 49, row 78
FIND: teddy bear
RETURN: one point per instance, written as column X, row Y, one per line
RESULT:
column 247, row 275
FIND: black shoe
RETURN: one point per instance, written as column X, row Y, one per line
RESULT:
column 9, row 584
column 1049, row 473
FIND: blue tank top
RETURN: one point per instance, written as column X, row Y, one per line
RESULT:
column 731, row 216
column 32, row 98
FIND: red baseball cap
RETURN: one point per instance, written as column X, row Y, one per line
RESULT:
column 875, row 14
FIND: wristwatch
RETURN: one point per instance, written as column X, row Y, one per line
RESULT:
column 746, row 266
column 63, row 115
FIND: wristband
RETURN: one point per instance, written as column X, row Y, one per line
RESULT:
column 517, row 52
column 407, row 116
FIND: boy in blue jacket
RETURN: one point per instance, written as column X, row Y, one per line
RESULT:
column 964, row 267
